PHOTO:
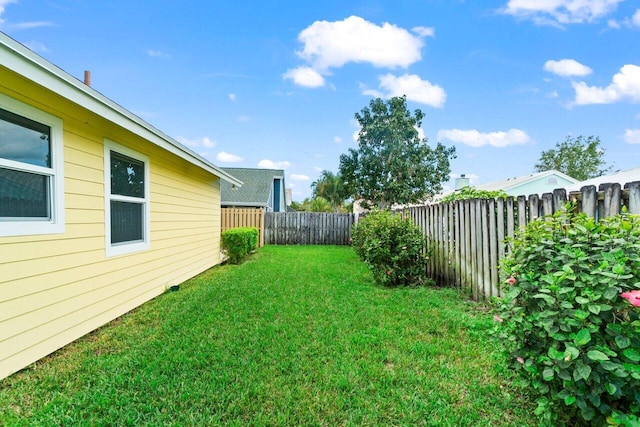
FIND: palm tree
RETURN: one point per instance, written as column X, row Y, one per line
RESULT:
column 330, row 187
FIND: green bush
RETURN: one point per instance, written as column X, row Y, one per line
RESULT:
column 392, row 247
column 237, row 243
column 570, row 331
column 470, row 193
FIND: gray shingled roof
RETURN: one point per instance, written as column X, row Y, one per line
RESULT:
column 257, row 185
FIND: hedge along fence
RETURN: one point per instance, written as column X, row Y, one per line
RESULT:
column 466, row 238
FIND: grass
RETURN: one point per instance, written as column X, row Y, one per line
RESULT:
column 295, row 335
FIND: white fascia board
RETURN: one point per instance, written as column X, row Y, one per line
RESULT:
column 17, row 58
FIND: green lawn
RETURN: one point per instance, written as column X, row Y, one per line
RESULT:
column 295, row 335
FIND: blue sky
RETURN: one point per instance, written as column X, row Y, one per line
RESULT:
column 277, row 83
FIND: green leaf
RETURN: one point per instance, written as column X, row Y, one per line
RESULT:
column 632, row 354
column 569, row 400
column 547, row 373
column 555, row 354
column 622, row 341
column 588, row 413
column 594, row 308
column 582, row 300
column 611, row 388
column 580, row 314
column 597, row 355
column 547, row 298
column 582, row 371
column 571, row 352
column 582, row 337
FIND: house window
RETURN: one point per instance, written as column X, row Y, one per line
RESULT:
column 31, row 170
column 126, row 200
column 552, row 181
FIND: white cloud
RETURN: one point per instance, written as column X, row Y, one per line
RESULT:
column 632, row 136
column 299, row 177
column 635, row 20
column 203, row 142
column 270, row 164
column 475, row 138
column 158, row 54
column 304, row 76
column 232, row 97
column 567, row 67
column 612, row 23
column 412, row 86
column 625, row 85
column 31, row 24
column 337, row 140
column 243, row 118
column 628, row 22
column 559, row 12
column 334, row 44
column 318, row 168
column 37, row 46
column 424, row 31
column 228, row 157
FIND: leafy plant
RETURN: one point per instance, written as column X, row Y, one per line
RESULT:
column 467, row 193
column 393, row 248
column 570, row 318
column 238, row 242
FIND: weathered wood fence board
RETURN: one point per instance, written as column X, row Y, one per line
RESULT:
column 466, row 238
column 244, row 217
column 307, row 228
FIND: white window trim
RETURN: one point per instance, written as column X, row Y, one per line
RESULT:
column 125, row 248
column 56, row 224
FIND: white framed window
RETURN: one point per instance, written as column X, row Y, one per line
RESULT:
column 126, row 178
column 31, row 170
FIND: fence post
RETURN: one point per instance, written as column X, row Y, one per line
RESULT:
column 634, row 196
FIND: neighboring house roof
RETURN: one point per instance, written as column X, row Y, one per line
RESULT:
column 256, row 190
column 536, row 183
column 621, row 178
column 23, row 61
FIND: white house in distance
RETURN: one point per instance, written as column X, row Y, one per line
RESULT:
column 535, row 183
column 622, row 178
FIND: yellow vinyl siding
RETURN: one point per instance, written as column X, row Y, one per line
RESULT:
column 55, row 288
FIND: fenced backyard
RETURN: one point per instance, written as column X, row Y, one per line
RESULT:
column 466, row 239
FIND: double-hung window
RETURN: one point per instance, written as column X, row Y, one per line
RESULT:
column 126, row 200
column 31, row 170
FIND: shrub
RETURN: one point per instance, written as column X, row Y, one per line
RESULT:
column 570, row 319
column 469, row 193
column 392, row 247
column 237, row 243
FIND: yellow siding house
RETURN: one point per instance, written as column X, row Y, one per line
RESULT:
column 99, row 211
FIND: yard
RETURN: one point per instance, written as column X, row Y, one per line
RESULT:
column 295, row 335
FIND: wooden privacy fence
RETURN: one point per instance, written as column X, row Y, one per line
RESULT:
column 466, row 238
column 244, row 217
column 307, row 228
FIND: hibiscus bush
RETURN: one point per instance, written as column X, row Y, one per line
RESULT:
column 570, row 317
column 393, row 248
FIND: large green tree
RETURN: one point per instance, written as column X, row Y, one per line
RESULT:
column 580, row 158
column 392, row 164
column 329, row 186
